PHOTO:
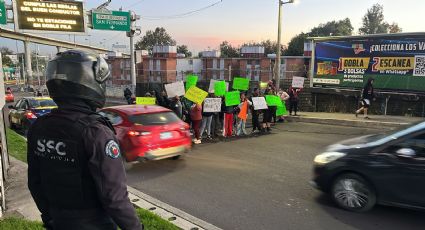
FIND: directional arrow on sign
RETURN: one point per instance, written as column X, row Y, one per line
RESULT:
column 112, row 27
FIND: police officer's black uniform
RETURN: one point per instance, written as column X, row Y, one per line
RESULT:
column 75, row 173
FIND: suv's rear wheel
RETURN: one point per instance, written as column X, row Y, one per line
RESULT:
column 352, row 192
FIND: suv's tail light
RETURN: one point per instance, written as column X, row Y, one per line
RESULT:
column 138, row 133
column 30, row 115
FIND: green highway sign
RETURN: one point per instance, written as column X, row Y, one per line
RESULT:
column 112, row 20
column 3, row 13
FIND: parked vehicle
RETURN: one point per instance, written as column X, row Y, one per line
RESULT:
column 386, row 169
column 23, row 114
column 9, row 97
column 148, row 132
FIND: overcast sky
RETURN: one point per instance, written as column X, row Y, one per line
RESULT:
column 240, row 21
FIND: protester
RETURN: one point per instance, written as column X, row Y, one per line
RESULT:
column 228, row 120
column 176, row 106
column 255, row 113
column 196, row 117
column 283, row 97
column 243, row 114
column 271, row 111
column 293, row 100
column 207, row 118
column 368, row 95
column 186, row 109
column 127, row 95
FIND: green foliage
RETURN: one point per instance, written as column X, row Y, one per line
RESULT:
column 13, row 223
column 17, row 145
column 333, row 28
column 296, row 45
column 373, row 22
column 153, row 38
column 228, row 51
column 5, row 59
column 182, row 49
column 270, row 47
column 154, row 222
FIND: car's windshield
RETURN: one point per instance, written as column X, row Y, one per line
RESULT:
column 154, row 118
column 42, row 103
column 395, row 134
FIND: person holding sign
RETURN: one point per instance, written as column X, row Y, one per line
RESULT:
column 243, row 114
column 207, row 118
column 255, row 113
column 283, row 97
column 196, row 117
column 228, row 119
column 293, row 100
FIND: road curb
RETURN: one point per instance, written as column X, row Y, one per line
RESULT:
column 346, row 122
column 179, row 218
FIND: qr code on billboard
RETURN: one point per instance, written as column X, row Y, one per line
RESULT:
column 419, row 66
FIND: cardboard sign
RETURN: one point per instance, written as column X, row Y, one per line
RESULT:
column 232, row 98
column 145, row 100
column 212, row 105
column 240, row 83
column 196, row 95
column 297, row 82
column 211, row 89
column 259, row 103
column 175, row 89
column 220, row 88
column 191, row 80
column 273, row 100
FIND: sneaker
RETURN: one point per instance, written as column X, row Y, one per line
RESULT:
column 268, row 129
column 367, row 118
column 209, row 137
column 197, row 142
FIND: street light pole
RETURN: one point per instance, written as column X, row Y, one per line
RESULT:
column 279, row 41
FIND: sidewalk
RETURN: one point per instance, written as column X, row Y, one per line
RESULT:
column 375, row 121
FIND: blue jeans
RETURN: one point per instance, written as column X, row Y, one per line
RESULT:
column 241, row 127
column 206, row 124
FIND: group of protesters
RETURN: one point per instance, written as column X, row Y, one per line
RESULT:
column 231, row 120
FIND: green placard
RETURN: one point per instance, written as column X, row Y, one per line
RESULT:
column 191, row 80
column 3, row 14
column 145, row 100
column 220, row 88
column 111, row 20
column 232, row 98
column 281, row 110
column 273, row 100
column 240, row 83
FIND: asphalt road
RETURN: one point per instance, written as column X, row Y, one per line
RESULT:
column 262, row 183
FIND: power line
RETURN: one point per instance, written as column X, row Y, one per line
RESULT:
column 135, row 4
column 189, row 13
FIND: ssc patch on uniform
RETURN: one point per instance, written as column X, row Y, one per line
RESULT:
column 112, row 149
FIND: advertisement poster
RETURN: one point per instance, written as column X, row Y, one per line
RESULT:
column 395, row 63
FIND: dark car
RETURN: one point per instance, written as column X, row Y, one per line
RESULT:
column 27, row 110
column 386, row 169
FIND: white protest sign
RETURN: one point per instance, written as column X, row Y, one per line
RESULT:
column 259, row 103
column 212, row 82
column 175, row 89
column 297, row 82
column 212, row 105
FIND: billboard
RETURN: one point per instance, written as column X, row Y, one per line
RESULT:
column 396, row 63
column 43, row 15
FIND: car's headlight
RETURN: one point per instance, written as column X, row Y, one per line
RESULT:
column 327, row 157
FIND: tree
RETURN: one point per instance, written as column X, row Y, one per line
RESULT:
column 296, row 45
column 373, row 22
column 228, row 51
column 184, row 50
column 394, row 28
column 333, row 28
column 153, row 38
column 5, row 59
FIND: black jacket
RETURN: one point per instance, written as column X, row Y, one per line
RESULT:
column 75, row 169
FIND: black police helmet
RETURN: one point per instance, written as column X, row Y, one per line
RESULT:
column 76, row 74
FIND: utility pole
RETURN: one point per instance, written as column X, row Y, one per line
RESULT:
column 279, row 41
column 133, row 30
column 28, row 66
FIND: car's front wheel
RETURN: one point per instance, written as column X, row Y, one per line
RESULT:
column 352, row 192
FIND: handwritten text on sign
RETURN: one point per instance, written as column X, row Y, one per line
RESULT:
column 297, row 82
column 212, row 105
column 175, row 89
column 145, row 100
column 259, row 103
column 196, row 94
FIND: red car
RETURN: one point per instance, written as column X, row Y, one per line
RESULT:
column 148, row 132
column 9, row 96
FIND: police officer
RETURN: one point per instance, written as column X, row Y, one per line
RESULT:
column 75, row 173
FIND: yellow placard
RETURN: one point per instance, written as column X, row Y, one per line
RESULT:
column 353, row 63
column 393, row 63
column 145, row 100
column 196, row 95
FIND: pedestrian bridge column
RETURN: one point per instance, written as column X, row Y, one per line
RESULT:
column 28, row 66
